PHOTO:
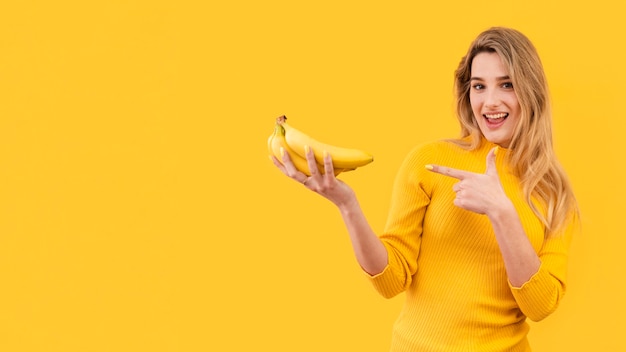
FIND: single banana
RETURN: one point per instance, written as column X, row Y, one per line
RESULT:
column 277, row 140
column 343, row 158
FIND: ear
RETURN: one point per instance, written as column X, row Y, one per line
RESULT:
column 491, row 162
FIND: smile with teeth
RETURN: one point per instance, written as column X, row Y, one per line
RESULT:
column 497, row 116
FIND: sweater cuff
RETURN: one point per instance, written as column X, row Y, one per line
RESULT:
column 537, row 297
column 385, row 282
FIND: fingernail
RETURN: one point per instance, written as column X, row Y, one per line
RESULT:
column 495, row 152
column 325, row 154
column 428, row 167
column 282, row 152
column 306, row 149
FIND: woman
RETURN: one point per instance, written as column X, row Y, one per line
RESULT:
column 479, row 227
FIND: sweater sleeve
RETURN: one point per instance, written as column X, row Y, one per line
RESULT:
column 541, row 294
column 403, row 230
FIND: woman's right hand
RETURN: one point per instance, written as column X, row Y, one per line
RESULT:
column 322, row 182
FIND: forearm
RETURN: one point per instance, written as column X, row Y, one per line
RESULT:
column 520, row 259
column 370, row 252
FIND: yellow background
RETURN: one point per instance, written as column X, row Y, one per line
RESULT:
column 138, row 208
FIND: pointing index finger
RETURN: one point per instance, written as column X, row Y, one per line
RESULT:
column 448, row 171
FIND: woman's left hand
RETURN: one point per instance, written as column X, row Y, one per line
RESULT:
column 480, row 193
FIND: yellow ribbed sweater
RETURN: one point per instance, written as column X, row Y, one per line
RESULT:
column 447, row 260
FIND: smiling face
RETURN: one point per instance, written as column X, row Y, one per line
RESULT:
column 493, row 99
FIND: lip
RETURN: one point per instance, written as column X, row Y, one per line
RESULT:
column 493, row 123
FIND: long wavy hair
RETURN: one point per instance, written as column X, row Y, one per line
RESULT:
column 531, row 153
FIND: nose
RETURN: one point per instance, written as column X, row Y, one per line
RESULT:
column 492, row 98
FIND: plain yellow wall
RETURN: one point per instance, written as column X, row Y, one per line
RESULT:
column 138, row 208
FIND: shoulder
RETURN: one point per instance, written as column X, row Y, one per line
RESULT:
column 436, row 151
column 433, row 152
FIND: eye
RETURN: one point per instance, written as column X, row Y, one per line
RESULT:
column 507, row 85
column 478, row 86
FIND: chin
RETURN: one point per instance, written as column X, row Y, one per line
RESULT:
column 502, row 142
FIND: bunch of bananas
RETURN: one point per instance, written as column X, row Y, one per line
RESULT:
column 293, row 142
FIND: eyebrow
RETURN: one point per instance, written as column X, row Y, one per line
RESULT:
column 502, row 78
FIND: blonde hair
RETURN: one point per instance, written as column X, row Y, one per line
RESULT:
column 531, row 152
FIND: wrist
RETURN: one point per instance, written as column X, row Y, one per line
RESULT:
column 502, row 211
column 348, row 205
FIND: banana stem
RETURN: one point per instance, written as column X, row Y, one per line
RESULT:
column 279, row 130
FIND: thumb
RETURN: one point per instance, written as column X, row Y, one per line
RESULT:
column 491, row 162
